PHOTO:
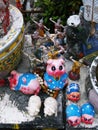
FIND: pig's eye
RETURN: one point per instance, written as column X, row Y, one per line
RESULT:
column 60, row 67
column 53, row 68
column 85, row 119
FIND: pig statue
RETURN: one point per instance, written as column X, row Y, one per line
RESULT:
column 73, row 115
column 73, row 92
column 87, row 113
column 34, row 105
column 55, row 77
column 27, row 83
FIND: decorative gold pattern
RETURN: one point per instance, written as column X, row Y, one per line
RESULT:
column 11, row 44
column 12, row 59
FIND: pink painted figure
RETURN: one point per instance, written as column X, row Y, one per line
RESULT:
column 27, row 83
column 73, row 115
column 88, row 113
column 55, row 77
column 73, row 92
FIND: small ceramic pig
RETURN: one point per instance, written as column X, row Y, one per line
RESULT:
column 34, row 105
column 55, row 77
column 25, row 82
column 73, row 92
column 73, row 115
column 50, row 106
column 88, row 113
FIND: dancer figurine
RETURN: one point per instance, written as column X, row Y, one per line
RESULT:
column 58, row 26
column 41, row 27
column 74, row 73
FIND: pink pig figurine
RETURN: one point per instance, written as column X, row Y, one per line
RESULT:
column 27, row 83
column 73, row 114
column 55, row 77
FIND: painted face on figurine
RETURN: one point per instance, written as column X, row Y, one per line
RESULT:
column 73, row 115
column 24, row 82
column 73, row 92
column 55, row 77
column 87, row 111
column 55, row 67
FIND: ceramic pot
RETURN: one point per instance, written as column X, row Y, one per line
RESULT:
column 11, row 44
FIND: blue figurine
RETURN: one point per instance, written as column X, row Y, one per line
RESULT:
column 27, row 83
column 55, row 77
column 73, row 115
column 88, row 113
column 73, row 92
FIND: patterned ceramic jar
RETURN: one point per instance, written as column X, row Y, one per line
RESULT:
column 11, row 44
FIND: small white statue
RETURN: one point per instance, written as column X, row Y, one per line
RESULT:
column 34, row 105
column 50, row 106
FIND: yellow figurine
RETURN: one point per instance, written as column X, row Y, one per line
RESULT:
column 74, row 73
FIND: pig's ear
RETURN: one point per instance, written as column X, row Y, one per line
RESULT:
column 49, row 61
column 62, row 61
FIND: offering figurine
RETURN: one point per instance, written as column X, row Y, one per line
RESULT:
column 57, row 25
column 55, row 77
column 73, row 115
column 88, row 113
column 41, row 27
column 27, row 83
column 50, row 106
column 73, row 92
column 74, row 73
column 34, row 105
column 75, row 37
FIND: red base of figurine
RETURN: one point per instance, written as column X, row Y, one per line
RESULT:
column 74, row 76
column 2, row 82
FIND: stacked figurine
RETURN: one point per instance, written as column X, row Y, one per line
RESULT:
column 73, row 92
